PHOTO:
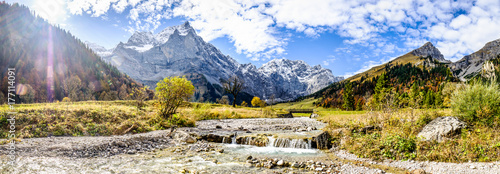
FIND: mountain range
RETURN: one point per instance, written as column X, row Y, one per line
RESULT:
column 470, row 65
column 429, row 56
column 414, row 79
column 178, row 51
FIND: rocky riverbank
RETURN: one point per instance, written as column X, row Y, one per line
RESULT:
column 92, row 146
column 214, row 146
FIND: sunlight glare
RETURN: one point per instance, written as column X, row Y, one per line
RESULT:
column 54, row 11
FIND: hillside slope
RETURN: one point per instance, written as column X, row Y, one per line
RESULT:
column 51, row 64
column 414, row 78
column 415, row 57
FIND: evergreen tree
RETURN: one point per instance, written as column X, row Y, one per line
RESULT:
column 348, row 97
column 380, row 91
column 414, row 95
column 429, row 99
column 438, row 102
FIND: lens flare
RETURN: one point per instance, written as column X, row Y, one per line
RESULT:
column 21, row 89
column 50, row 68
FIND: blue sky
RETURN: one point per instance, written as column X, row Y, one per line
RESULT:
column 346, row 36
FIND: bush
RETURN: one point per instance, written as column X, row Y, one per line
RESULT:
column 182, row 121
column 397, row 147
column 478, row 103
column 244, row 104
column 66, row 99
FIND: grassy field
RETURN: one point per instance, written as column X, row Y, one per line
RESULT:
column 93, row 118
column 325, row 113
column 304, row 104
column 111, row 117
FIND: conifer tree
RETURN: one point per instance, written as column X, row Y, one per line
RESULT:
column 348, row 97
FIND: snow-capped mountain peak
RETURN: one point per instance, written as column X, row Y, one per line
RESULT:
column 183, row 30
column 178, row 51
column 141, row 38
column 98, row 49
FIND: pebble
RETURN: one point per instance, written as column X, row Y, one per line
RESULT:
column 280, row 163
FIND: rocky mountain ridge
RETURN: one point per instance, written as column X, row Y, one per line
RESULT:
column 466, row 67
column 471, row 64
column 429, row 50
column 178, row 51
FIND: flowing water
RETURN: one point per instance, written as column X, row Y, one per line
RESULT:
column 282, row 144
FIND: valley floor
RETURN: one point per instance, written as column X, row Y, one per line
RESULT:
column 157, row 152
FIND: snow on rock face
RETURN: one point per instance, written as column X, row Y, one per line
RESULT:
column 292, row 78
column 178, row 51
column 99, row 50
column 164, row 35
column 141, row 38
column 141, row 48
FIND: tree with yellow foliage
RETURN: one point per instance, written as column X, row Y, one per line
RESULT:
column 171, row 92
column 256, row 102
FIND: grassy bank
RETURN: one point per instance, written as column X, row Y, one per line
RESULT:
column 396, row 138
column 93, row 118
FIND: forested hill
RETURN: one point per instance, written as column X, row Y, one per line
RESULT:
column 51, row 64
column 405, row 84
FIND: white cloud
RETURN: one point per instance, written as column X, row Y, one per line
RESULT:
column 96, row 8
column 460, row 21
column 120, row 6
column 467, row 32
column 243, row 23
column 53, row 11
column 330, row 60
column 254, row 26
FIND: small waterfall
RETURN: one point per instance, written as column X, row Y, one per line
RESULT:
column 248, row 141
column 233, row 140
column 309, row 144
column 223, row 139
column 271, row 141
column 289, row 143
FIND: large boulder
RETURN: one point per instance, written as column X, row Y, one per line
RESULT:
column 182, row 136
column 260, row 140
column 440, row 128
column 313, row 115
column 216, row 137
column 322, row 141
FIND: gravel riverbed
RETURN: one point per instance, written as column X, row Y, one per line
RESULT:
column 156, row 152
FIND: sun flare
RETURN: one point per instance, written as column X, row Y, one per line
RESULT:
column 54, row 11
